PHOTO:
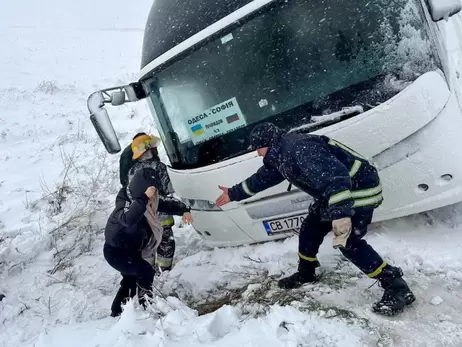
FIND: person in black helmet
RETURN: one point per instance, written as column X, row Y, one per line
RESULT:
column 126, row 162
column 346, row 189
column 133, row 230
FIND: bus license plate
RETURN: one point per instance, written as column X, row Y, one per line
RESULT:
column 291, row 223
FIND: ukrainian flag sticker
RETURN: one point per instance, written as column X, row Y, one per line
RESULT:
column 197, row 130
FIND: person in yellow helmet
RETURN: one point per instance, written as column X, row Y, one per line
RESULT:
column 144, row 145
column 143, row 153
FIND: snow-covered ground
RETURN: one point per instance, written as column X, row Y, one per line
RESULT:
column 57, row 186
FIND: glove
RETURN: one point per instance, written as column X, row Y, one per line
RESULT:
column 342, row 230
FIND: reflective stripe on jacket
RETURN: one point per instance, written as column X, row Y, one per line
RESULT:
column 339, row 178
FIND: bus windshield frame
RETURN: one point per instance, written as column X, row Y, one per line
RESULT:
column 292, row 61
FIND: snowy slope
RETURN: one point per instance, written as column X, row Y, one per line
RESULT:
column 57, row 186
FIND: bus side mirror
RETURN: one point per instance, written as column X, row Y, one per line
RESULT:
column 120, row 95
column 101, row 122
column 118, row 98
column 99, row 117
column 443, row 9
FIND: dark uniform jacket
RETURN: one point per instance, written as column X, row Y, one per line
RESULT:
column 128, row 167
column 339, row 179
column 126, row 162
column 127, row 227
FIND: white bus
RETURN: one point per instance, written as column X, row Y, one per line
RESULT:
column 380, row 76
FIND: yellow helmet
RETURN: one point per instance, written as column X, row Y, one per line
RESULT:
column 143, row 143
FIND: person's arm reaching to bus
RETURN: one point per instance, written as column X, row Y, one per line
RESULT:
column 266, row 177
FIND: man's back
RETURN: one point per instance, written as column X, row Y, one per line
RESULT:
column 161, row 171
column 125, row 164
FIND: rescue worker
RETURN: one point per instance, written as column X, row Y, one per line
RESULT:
column 143, row 153
column 346, row 189
column 133, row 230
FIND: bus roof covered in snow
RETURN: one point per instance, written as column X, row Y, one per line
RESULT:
column 172, row 21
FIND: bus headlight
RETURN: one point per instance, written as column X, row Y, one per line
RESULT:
column 201, row 205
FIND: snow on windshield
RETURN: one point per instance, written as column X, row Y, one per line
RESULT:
column 443, row 8
column 407, row 51
column 406, row 48
column 191, row 101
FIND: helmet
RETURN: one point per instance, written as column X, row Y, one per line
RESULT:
column 264, row 135
column 143, row 143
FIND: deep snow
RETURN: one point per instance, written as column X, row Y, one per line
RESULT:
column 58, row 291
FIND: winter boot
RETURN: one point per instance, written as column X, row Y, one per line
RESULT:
column 166, row 250
column 126, row 291
column 120, row 299
column 305, row 274
column 397, row 294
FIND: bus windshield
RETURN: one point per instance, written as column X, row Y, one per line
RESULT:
column 288, row 62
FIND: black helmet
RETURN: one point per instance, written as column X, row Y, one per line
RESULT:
column 264, row 135
column 138, row 135
column 142, row 179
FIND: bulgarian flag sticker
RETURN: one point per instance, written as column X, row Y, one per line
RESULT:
column 232, row 118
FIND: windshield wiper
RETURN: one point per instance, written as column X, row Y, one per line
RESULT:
column 317, row 121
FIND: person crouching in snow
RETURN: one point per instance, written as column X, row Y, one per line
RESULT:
column 133, row 231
